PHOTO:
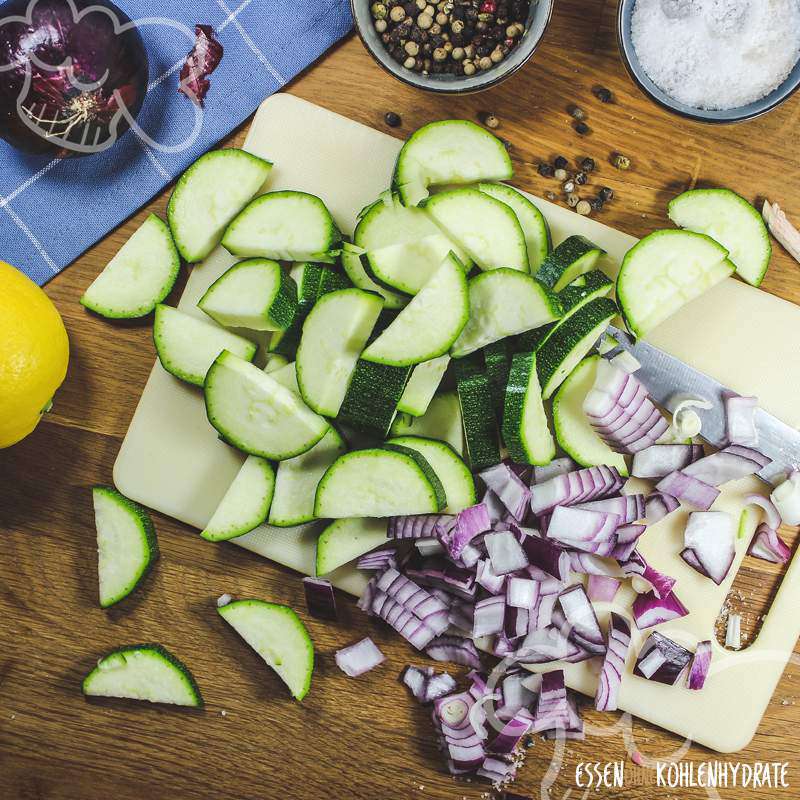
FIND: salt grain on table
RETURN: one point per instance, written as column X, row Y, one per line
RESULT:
column 717, row 54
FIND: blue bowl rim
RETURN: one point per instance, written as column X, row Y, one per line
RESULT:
column 635, row 70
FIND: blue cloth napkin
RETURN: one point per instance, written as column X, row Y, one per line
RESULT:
column 51, row 210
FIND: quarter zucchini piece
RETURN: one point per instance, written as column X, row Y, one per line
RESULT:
column 452, row 151
column 347, row 539
column 573, row 431
column 574, row 257
column 570, row 341
column 307, row 278
column 532, row 221
column 256, row 414
column 334, row 334
column 286, row 376
column 139, row 276
column 285, row 225
column 371, row 401
column 525, row 430
column 126, row 544
column 477, row 413
column 187, row 346
column 379, row 483
column 279, row 636
column 143, row 672
column 730, row 220
column 255, row 294
column 442, row 420
column 354, row 268
column 583, row 290
column 246, row 503
column 456, row 478
column 504, row 302
column 487, row 229
column 297, row 480
column 665, row 270
column 427, row 327
column 422, row 386
column 209, row 195
column 497, row 359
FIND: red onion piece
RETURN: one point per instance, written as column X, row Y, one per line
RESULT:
column 510, row 735
column 513, row 493
column 710, row 536
column 733, row 631
column 551, row 709
column 574, row 729
column 619, row 641
column 485, row 576
column 773, row 517
column 516, row 696
column 570, row 524
column 498, row 771
column 579, row 486
column 201, row 61
column 418, row 526
column 320, row 599
column 558, row 466
column 581, row 625
column 505, row 553
column 740, row 420
column 648, row 610
column 522, row 593
column 443, row 574
column 689, row 489
column 359, row 658
column 721, row 467
column 489, row 616
column 701, row 663
column 543, row 614
column 547, row 556
column 658, row 460
column 628, row 508
column 468, row 524
column 455, row 649
column 377, row 559
column 516, row 623
column 601, row 588
column 767, row 545
column 660, row 584
column 658, row 505
column 663, row 659
column 428, row 685
column 786, row 499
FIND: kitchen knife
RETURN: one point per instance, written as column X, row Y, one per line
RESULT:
column 667, row 378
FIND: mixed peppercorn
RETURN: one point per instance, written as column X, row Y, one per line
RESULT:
column 570, row 182
column 455, row 37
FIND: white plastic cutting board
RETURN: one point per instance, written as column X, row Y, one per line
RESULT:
column 171, row 459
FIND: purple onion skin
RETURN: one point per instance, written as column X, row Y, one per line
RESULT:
column 95, row 50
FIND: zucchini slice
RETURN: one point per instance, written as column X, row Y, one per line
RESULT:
column 442, row 421
column 275, row 361
column 427, row 327
column 354, row 268
column 583, row 290
column 497, row 358
column 525, row 430
column 570, row 341
column 285, row 225
column 279, row 636
column 256, row 414
column 209, row 195
column 347, row 539
column 573, row 431
column 286, row 376
column 126, row 544
column 379, row 483
column 456, row 478
column 334, row 334
column 255, row 294
column 297, row 479
column 504, row 302
column 477, row 413
column 422, row 386
column 246, row 503
column 372, row 397
column 665, row 270
column 143, row 672
column 452, row 151
column 487, row 229
column 139, row 276
column 730, row 220
column 187, row 346
column 532, row 221
column 575, row 256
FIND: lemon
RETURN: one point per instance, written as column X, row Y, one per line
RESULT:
column 34, row 352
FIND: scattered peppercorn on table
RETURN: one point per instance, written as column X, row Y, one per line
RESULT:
column 572, row 108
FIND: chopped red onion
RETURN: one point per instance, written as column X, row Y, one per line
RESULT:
column 661, row 659
column 418, row 526
column 443, row 574
column 551, row 710
column 485, row 576
column 659, row 460
column 498, row 771
column 701, row 663
column 691, row 490
column 513, row 493
column 601, row 588
column 558, row 466
column 429, row 547
column 579, row 486
column 377, row 559
column 648, row 610
column 455, row 649
column 201, row 61
column 710, row 536
column 619, row 641
column 581, row 621
column 510, row 735
column 590, row 564
column 773, row 517
column 543, row 614
column 489, row 616
column 786, row 499
column 359, row 658
column 522, row 593
column 516, row 623
column 428, row 685
column 722, row 466
column 658, row 505
column 660, row 584
column 505, row 553
column 767, row 545
column 516, row 696
column 733, row 632
column 468, row 524
column 574, row 729
column 547, row 556
column 320, row 599
column 628, row 508
column 740, row 421
column 452, row 712
column 576, row 526
column 626, row 361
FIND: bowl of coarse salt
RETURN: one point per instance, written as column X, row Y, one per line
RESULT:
column 712, row 60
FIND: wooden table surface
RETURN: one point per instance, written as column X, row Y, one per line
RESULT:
column 361, row 738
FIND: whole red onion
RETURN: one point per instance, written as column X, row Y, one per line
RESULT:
column 72, row 75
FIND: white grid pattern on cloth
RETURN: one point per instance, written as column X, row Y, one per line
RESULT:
column 232, row 17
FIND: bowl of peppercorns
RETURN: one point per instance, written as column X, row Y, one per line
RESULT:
column 451, row 46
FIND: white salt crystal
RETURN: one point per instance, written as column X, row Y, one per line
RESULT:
column 717, row 54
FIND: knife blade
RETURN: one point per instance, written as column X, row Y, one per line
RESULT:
column 666, row 378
